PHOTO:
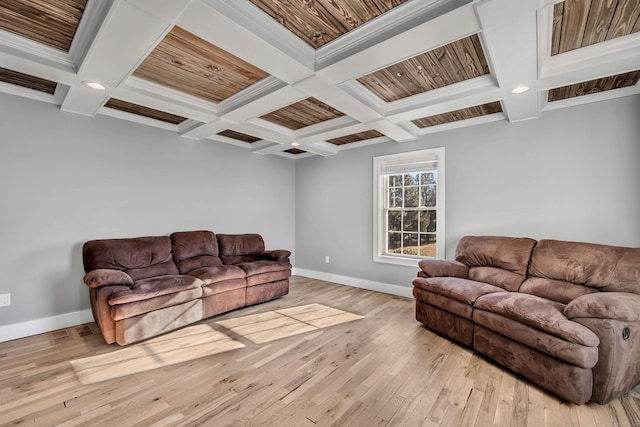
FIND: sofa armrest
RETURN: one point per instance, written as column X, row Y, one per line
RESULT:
column 442, row 268
column 280, row 255
column 105, row 276
column 623, row 306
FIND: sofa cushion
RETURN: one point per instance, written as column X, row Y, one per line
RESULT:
column 576, row 354
column 555, row 290
column 497, row 277
column 218, row 273
column 134, row 308
column 261, row 272
column 463, row 290
column 194, row 249
column 507, row 253
column 606, row 268
column 154, row 287
column 237, row 248
column 139, row 257
column 538, row 313
column 260, row 267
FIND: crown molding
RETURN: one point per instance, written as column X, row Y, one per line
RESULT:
column 154, row 90
column 587, row 99
column 252, row 18
column 92, row 18
column 38, row 53
column 28, row 93
column 252, row 93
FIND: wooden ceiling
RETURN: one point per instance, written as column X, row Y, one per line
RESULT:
column 304, row 113
column 580, row 23
column 118, row 104
column 239, row 136
column 356, row 137
column 299, row 78
column 453, row 63
column 462, row 114
column 594, row 86
column 50, row 22
column 185, row 62
column 319, row 22
column 25, row 80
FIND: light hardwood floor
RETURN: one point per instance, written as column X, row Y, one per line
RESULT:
column 385, row 369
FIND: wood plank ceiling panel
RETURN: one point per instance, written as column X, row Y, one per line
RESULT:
column 295, row 151
column 462, row 114
column 118, row 104
column 25, row 80
column 318, row 22
column 239, row 136
column 361, row 136
column 461, row 60
column 304, row 113
column 185, row 62
column 50, row 22
column 580, row 23
column 594, row 86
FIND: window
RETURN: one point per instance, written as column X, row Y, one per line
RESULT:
column 409, row 207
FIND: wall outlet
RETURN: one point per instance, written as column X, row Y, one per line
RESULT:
column 5, row 300
column 326, row 259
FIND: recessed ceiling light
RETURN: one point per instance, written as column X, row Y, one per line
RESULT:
column 294, row 144
column 94, row 85
column 520, row 89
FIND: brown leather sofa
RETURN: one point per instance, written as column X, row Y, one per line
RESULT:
column 145, row 286
column 564, row 315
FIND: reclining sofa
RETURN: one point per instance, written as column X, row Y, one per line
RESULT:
column 564, row 315
column 145, row 286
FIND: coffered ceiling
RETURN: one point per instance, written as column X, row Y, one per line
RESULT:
column 298, row 78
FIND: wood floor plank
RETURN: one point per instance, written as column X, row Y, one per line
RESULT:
column 384, row 369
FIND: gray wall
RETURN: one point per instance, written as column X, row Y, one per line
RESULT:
column 573, row 174
column 65, row 179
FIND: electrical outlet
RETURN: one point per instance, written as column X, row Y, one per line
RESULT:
column 5, row 300
column 326, row 259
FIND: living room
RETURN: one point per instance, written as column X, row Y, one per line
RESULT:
column 69, row 174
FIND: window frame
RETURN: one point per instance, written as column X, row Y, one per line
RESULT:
column 380, row 193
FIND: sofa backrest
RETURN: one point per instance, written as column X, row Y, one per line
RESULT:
column 194, row 249
column 139, row 257
column 562, row 270
column 237, row 248
column 499, row 261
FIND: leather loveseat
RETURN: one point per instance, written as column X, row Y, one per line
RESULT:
column 564, row 315
column 145, row 286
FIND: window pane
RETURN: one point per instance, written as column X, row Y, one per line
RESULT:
column 428, row 196
column 395, row 180
column 410, row 221
column 428, row 177
column 412, row 178
column 394, row 243
column 410, row 241
column 395, row 221
column 411, row 199
column 428, row 245
column 395, row 197
column 428, row 221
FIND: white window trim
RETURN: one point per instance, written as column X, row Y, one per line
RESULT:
column 379, row 219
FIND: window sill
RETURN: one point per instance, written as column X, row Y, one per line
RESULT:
column 390, row 259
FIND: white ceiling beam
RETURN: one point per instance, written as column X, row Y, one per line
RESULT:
column 129, row 24
column 203, row 19
column 442, row 30
column 514, row 59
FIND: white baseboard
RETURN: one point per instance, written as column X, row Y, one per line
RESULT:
column 386, row 288
column 46, row 324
